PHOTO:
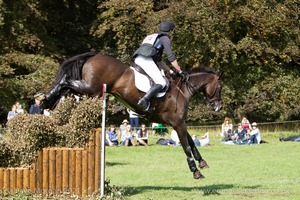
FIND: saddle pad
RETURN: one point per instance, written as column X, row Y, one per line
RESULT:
column 142, row 82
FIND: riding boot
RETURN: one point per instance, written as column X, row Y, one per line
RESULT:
column 144, row 102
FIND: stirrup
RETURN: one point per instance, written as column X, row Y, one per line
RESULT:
column 144, row 104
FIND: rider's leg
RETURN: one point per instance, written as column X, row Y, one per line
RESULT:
column 144, row 102
column 153, row 71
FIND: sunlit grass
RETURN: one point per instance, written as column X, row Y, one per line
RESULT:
column 266, row 171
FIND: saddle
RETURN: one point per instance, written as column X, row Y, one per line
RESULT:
column 143, row 81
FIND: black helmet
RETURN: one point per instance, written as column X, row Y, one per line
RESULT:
column 166, row 26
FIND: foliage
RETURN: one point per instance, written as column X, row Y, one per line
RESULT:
column 250, row 41
column 120, row 25
column 24, row 75
column 34, row 132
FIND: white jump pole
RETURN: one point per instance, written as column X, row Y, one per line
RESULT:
column 102, row 164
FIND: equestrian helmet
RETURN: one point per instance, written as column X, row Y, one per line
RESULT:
column 166, row 26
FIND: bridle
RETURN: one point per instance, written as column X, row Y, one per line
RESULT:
column 193, row 89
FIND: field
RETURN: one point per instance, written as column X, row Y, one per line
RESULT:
column 266, row 171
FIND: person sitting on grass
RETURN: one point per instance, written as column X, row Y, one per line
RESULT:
column 111, row 136
column 254, row 136
column 127, row 137
column 240, row 134
column 142, row 136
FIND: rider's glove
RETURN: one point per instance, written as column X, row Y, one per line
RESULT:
column 174, row 75
column 184, row 76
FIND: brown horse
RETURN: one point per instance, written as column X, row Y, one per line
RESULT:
column 86, row 73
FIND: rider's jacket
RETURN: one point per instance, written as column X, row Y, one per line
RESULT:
column 152, row 46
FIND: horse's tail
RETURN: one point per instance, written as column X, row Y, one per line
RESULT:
column 72, row 67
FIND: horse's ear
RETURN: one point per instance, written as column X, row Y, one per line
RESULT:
column 220, row 74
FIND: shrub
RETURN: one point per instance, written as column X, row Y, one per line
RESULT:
column 69, row 125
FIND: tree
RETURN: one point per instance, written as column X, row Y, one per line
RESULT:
column 256, row 44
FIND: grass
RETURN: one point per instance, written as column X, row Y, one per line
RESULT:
column 266, row 171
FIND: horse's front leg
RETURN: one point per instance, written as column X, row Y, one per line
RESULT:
column 196, row 153
column 182, row 134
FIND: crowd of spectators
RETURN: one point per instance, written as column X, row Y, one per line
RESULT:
column 244, row 134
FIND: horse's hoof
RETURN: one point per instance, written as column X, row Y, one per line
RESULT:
column 198, row 175
column 203, row 164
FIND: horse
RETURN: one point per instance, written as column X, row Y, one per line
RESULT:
column 86, row 73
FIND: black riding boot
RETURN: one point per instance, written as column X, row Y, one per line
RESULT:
column 144, row 102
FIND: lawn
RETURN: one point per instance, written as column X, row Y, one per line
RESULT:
column 266, row 171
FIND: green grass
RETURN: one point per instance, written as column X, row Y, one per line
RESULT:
column 266, row 171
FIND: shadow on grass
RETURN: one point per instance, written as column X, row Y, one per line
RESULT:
column 111, row 164
column 215, row 189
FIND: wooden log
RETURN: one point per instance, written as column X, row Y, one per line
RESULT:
column 33, row 180
column 65, row 170
column 72, row 166
column 20, row 178
column 6, row 179
column 58, row 181
column 1, row 179
column 78, row 173
column 91, row 163
column 38, row 171
column 84, row 177
column 45, row 172
column 52, row 171
column 13, row 180
column 97, row 159
column 26, row 179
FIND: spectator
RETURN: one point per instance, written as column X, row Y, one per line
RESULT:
column 166, row 142
column 226, row 129
column 291, row 138
column 19, row 108
column 134, row 120
column 204, row 141
column 123, row 126
column 35, row 108
column 11, row 114
column 142, row 136
column 174, row 137
column 240, row 135
column 111, row 136
column 159, row 128
column 254, row 136
column 246, row 124
column 127, row 137
column 196, row 140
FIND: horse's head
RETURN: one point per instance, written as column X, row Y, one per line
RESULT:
column 209, row 83
column 213, row 92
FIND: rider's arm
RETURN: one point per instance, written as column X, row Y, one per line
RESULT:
column 171, row 57
column 176, row 66
column 164, row 66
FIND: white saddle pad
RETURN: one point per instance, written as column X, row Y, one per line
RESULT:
column 143, row 83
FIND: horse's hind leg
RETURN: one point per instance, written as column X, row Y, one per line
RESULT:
column 56, row 89
column 196, row 153
column 83, row 87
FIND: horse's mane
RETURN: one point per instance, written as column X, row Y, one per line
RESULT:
column 202, row 70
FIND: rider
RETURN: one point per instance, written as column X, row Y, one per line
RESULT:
column 149, row 57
